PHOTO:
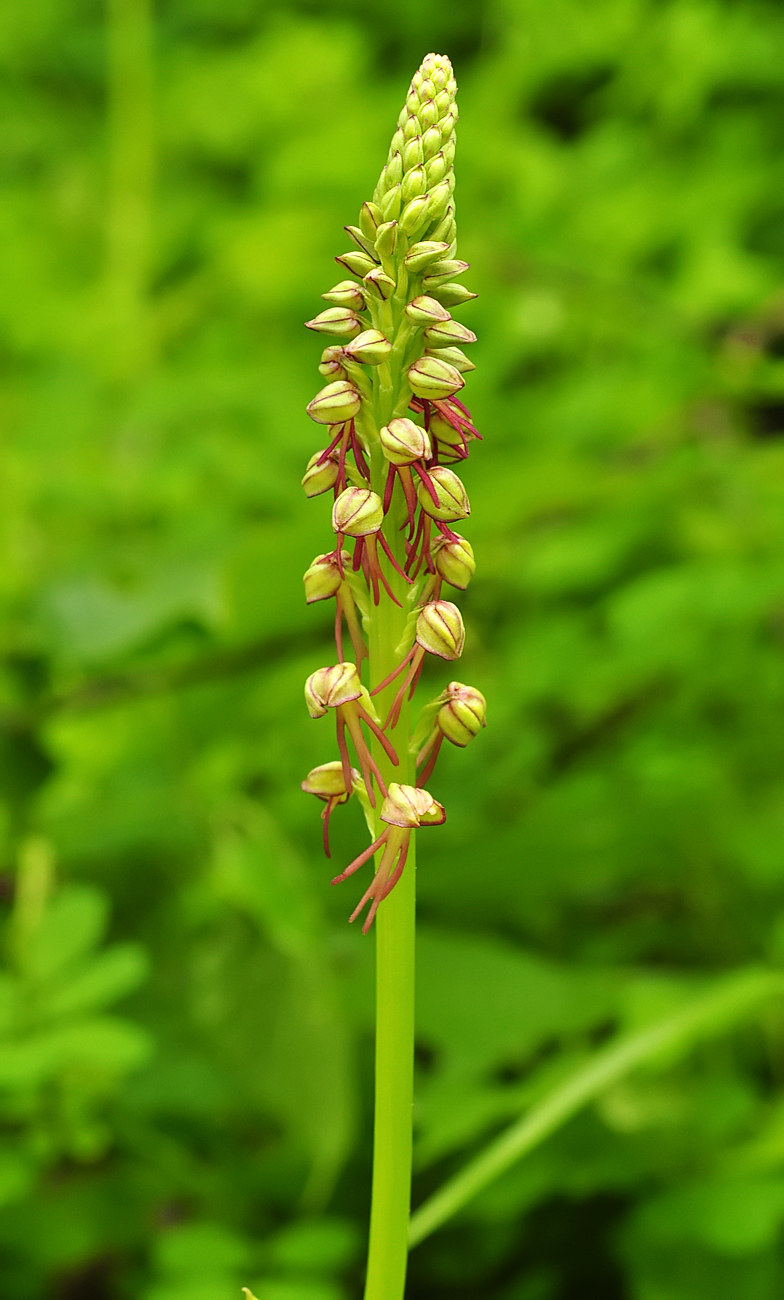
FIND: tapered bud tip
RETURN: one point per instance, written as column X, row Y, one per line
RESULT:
column 379, row 284
column 370, row 347
column 340, row 321
column 328, row 782
column 440, row 630
column 410, row 807
column 344, row 294
column 320, row 478
column 453, row 357
column 323, row 578
column 403, row 442
column 463, row 713
column 421, row 255
column 446, row 333
column 426, row 311
column 432, row 378
column 454, row 560
column 335, row 404
column 329, row 687
column 452, row 499
column 357, row 512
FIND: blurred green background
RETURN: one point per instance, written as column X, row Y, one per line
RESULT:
column 185, row 1017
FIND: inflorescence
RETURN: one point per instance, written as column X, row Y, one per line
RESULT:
column 394, row 426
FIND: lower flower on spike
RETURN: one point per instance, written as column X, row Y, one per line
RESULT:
column 405, row 809
column 327, row 782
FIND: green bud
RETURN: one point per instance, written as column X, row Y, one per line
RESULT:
column 412, row 153
column 449, row 150
column 370, row 347
column 453, row 501
column 411, row 807
column 414, row 213
column 421, row 255
column 357, row 512
column 362, row 242
column 391, row 204
column 393, row 173
column 452, row 295
column 320, row 478
column 335, row 403
column 322, row 580
column 431, row 142
column 331, row 365
column 425, row 311
column 445, row 229
column 328, row 782
column 452, row 356
column 439, row 201
column 328, row 688
column 444, row 334
column 463, row 713
column 439, row 629
column 444, row 102
column 356, row 262
column 403, row 442
column 428, row 116
column 454, row 561
column 414, row 183
column 445, row 434
column 346, row 294
column 410, row 127
column 379, row 284
column 441, row 272
column 369, row 220
column 434, row 379
column 386, row 239
column 340, row 321
column 436, row 170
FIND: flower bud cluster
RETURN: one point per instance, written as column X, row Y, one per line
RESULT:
column 392, row 428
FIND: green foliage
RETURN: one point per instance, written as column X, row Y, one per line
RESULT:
column 614, row 841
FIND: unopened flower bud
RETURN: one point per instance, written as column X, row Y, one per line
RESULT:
column 433, row 379
column 329, row 687
column 328, row 782
column 421, row 255
column 452, row 498
column 411, row 807
column 436, row 169
column 442, row 272
column 323, row 578
column 357, row 512
column 411, row 124
column 356, row 262
column 452, row 295
column 362, row 242
column 453, row 357
column 386, row 239
column 463, row 713
column 369, row 220
column 335, row 404
column 431, row 142
column 425, row 311
column 445, row 230
column 413, row 184
column 454, row 560
column 393, row 173
column 379, row 284
column 333, row 368
column 370, row 347
column 340, row 321
column 391, row 204
column 443, row 334
column 403, row 442
column 428, row 115
column 413, row 154
column 438, row 201
column 345, row 294
column 320, row 478
column 439, row 629
column 414, row 213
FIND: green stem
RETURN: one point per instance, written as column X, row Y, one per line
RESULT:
column 395, row 933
